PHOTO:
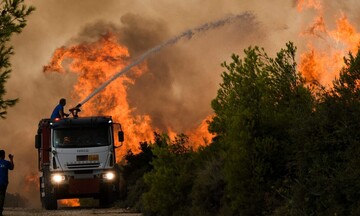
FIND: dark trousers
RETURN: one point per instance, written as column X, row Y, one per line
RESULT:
column 2, row 197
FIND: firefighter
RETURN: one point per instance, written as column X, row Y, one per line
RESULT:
column 58, row 111
column 5, row 166
column 67, row 140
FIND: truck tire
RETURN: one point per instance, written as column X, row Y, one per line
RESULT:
column 49, row 202
column 122, row 189
column 120, row 186
column 42, row 199
column 106, row 199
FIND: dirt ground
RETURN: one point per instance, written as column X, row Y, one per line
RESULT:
column 69, row 211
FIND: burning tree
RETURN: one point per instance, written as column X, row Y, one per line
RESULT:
column 12, row 20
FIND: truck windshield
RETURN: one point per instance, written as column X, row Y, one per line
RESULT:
column 81, row 137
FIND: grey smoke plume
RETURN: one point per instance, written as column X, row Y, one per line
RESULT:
column 180, row 83
column 187, row 34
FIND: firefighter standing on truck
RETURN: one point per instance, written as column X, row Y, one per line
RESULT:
column 5, row 166
column 59, row 110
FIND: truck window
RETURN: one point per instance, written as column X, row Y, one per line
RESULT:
column 81, row 137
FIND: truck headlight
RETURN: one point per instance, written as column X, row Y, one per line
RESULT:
column 57, row 178
column 109, row 176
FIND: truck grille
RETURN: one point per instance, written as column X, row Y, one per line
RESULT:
column 83, row 165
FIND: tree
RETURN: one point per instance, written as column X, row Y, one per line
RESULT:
column 171, row 180
column 283, row 146
column 329, row 181
column 133, row 171
column 208, row 188
column 259, row 107
column 12, row 20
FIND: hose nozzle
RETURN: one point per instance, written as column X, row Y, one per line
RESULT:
column 74, row 111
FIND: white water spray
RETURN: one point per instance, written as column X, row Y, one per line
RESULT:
column 187, row 34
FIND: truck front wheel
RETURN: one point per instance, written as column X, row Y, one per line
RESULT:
column 106, row 198
column 49, row 201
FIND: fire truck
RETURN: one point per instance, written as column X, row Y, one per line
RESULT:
column 76, row 159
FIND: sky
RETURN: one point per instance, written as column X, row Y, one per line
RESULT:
column 187, row 74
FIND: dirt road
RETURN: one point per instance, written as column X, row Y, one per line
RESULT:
column 69, row 211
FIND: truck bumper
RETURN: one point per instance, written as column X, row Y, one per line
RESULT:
column 84, row 186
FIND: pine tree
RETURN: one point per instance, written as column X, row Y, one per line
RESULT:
column 259, row 107
column 12, row 20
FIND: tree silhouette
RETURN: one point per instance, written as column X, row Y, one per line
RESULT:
column 12, row 20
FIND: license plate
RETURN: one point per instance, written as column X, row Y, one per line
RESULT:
column 93, row 157
column 87, row 157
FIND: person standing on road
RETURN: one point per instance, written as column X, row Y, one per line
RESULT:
column 58, row 111
column 5, row 166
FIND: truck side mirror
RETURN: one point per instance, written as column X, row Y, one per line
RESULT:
column 121, row 136
column 37, row 141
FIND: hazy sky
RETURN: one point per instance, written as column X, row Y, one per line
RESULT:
column 188, row 73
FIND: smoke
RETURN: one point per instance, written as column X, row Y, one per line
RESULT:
column 246, row 17
column 178, row 87
column 181, row 80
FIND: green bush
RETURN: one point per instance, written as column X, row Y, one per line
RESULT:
column 282, row 147
column 171, row 180
column 132, row 176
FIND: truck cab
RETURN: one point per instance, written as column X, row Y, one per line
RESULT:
column 77, row 159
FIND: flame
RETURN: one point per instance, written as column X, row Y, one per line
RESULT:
column 201, row 136
column 346, row 33
column 70, row 202
column 323, row 60
column 95, row 63
column 198, row 136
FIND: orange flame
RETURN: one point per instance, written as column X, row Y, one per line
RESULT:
column 201, row 136
column 95, row 63
column 70, row 202
column 324, row 60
